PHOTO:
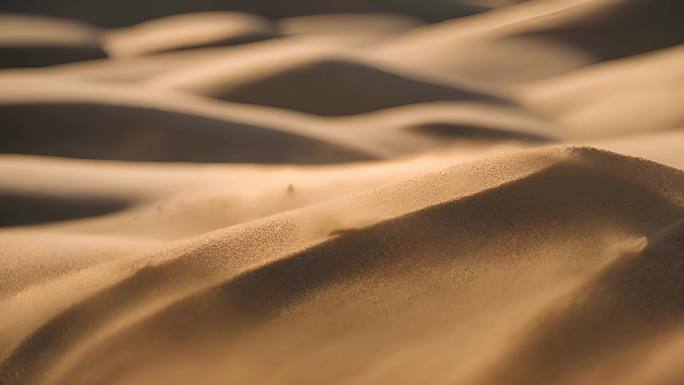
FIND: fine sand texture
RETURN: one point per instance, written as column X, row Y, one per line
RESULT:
column 472, row 192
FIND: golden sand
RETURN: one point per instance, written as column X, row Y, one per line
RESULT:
column 330, row 192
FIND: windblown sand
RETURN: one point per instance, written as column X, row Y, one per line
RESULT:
column 342, row 193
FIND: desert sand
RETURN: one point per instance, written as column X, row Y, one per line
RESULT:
column 477, row 192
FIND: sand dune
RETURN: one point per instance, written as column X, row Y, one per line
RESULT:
column 328, row 85
column 45, row 116
column 490, row 252
column 446, row 126
column 123, row 123
column 141, row 68
column 538, row 39
column 346, row 192
column 171, row 201
column 33, row 41
column 641, row 93
column 196, row 30
column 97, row 121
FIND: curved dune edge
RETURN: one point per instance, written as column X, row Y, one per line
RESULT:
column 189, row 31
column 327, row 84
column 37, row 41
column 141, row 68
column 617, row 98
column 122, row 123
column 538, row 39
column 173, row 201
column 513, row 234
column 449, row 125
column 662, row 146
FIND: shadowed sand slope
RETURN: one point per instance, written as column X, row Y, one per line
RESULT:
column 61, row 118
column 322, row 85
column 20, row 208
column 538, row 39
column 402, row 284
column 189, row 31
column 632, row 304
column 33, row 41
